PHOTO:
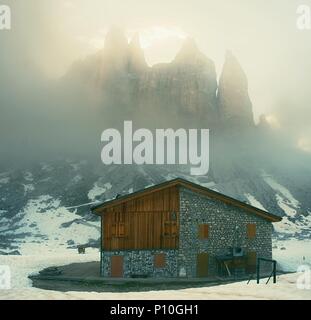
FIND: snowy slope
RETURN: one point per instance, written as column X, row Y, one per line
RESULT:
column 48, row 205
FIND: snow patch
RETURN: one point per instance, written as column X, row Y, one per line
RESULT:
column 77, row 179
column 284, row 198
column 281, row 189
column 46, row 167
column 28, row 176
column 283, row 204
column 4, row 180
column 287, row 227
column 254, row 202
column 98, row 191
column 28, row 188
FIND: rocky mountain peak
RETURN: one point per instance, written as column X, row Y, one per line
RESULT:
column 136, row 57
column 190, row 53
column 234, row 102
column 233, row 70
column 115, row 40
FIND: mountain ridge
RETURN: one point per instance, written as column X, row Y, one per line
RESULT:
column 186, row 89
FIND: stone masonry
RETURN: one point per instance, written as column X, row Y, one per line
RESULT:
column 228, row 228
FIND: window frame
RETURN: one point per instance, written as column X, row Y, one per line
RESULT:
column 204, row 231
column 251, row 231
column 159, row 260
column 170, row 228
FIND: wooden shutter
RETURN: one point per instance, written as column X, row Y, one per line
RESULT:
column 170, row 228
column 114, row 230
column 167, row 228
column 121, row 231
column 159, row 260
column 251, row 230
column 203, row 231
column 173, row 228
column 118, row 230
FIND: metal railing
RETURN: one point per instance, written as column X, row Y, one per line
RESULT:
column 273, row 273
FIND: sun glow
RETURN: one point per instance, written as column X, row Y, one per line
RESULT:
column 152, row 35
column 273, row 121
column 304, row 144
column 160, row 43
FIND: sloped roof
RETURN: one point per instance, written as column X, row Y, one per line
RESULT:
column 192, row 186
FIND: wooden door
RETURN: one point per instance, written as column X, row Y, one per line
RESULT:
column 202, row 265
column 117, row 267
column 251, row 262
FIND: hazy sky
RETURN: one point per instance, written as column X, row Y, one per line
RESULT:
column 51, row 34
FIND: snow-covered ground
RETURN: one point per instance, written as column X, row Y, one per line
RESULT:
column 22, row 266
column 285, row 289
column 292, row 253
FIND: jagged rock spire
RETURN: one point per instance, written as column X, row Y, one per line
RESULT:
column 235, row 106
column 190, row 53
column 115, row 40
column 136, row 57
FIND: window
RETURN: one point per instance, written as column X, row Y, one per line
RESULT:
column 118, row 225
column 251, row 230
column 203, row 231
column 118, row 230
column 170, row 228
column 160, row 260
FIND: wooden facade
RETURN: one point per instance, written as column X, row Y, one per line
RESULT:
column 144, row 223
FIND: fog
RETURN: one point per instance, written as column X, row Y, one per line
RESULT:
column 40, row 116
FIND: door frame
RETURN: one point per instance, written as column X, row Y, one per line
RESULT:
column 203, row 258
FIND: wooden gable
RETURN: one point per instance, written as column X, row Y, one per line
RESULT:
column 150, row 221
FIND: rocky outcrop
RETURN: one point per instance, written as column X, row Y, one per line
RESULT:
column 114, row 59
column 180, row 93
column 235, row 106
column 136, row 59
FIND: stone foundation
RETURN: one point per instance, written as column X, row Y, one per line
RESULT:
column 141, row 262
